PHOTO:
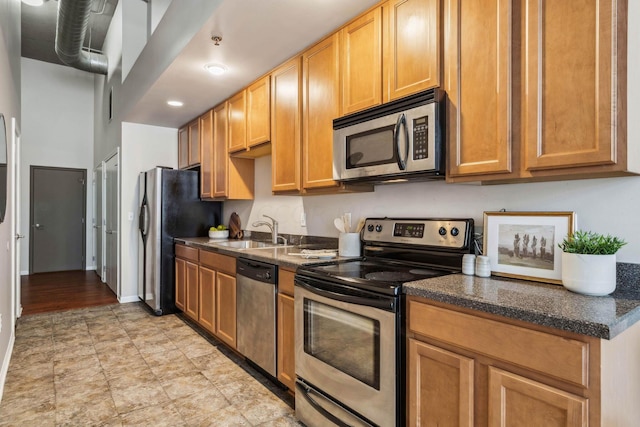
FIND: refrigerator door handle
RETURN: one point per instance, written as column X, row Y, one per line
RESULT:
column 143, row 223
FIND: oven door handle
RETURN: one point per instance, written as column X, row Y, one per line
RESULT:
column 402, row 122
column 384, row 304
column 306, row 393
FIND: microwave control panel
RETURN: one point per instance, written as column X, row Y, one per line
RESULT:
column 420, row 134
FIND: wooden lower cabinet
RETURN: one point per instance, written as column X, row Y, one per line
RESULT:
column 467, row 368
column 207, row 309
column 181, row 283
column 518, row 401
column 441, row 387
column 191, row 289
column 226, row 308
column 285, row 330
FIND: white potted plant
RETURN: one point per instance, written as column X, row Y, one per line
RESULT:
column 589, row 262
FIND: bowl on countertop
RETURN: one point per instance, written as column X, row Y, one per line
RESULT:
column 218, row 234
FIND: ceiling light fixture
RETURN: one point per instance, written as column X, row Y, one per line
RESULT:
column 33, row 2
column 216, row 69
column 175, row 103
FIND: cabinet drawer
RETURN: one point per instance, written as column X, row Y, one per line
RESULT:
column 562, row 358
column 185, row 252
column 285, row 282
column 224, row 263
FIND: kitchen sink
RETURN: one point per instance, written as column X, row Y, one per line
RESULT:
column 249, row 244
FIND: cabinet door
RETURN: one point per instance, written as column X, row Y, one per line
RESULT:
column 516, row 401
column 361, row 62
column 259, row 112
column 226, row 308
column 570, row 82
column 181, row 283
column 411, row 35
column 206, row 154
column 440, row 387
column 286, row 342
column 237, row 137
column 207, row 310
column 220, row 154
column 191, row 290
column 478, row 81
column 183, row 147
column 320, row 105
column 285, row 127
column 194, row 142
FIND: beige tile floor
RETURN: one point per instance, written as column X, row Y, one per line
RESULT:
column 118, row 365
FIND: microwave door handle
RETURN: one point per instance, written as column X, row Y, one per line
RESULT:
column 402, row 160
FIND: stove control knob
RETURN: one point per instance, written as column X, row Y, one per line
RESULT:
column 455, row 231
column 267, row 276
column 370, row 228
column 378, row 228
column 442, row 231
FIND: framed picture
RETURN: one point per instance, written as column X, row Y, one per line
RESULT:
column 524, row 245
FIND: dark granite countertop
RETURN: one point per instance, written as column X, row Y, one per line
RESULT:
column 276, row 255
column 542, row 304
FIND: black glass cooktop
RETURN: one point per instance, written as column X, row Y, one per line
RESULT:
column 381, row 275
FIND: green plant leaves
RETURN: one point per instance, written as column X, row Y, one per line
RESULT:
column 587, row 242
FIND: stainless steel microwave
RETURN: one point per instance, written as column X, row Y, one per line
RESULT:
column 399, row 140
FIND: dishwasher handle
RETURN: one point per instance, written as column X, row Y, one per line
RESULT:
column 257, row 270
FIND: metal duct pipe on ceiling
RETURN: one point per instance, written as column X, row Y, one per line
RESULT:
column 71, row 28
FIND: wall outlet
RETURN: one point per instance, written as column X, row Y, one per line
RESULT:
column 303, row 219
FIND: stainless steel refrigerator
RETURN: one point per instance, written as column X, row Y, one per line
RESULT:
column 169, row 207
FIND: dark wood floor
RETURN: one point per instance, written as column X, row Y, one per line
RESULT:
column 64, row 290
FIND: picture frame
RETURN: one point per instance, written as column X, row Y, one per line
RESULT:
column 524, row 245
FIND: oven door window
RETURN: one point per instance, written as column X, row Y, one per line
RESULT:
column 370, row 148
column 349, row 342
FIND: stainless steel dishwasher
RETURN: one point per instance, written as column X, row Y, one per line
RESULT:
column 256, row 312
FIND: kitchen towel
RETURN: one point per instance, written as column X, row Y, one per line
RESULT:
column 235, row 227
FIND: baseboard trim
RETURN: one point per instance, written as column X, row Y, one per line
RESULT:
column 124, row 300
column 24, row 273
column 5, row 363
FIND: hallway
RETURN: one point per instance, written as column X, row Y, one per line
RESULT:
column 64, row 290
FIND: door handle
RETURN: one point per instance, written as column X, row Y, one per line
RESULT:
column 19, row 236
column 38, row 226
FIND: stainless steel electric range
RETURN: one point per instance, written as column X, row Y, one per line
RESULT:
column 349, row 320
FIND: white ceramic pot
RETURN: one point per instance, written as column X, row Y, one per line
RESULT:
column 589, row 274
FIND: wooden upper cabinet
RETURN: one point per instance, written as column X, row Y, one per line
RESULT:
column 361, row 62
column 411, row 35
column 478, row 80
column 220, row 154
column 259, row 112
column 237, row 137
column 570, row 82
column 285, row 127
column 194, row 142
column 320, row 105
column 206, row 154
column 183, row 147
column 233, row 178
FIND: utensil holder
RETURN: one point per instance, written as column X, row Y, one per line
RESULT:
column 349, row 244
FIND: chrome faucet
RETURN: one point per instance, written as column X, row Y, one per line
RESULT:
column 273, row 227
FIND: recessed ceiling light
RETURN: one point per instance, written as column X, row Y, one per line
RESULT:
column 175, row 103
column 33, row 2
column 216, row 69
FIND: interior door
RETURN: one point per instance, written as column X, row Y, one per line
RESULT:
column 58, row 208
column 111, row 222
column 98, row 251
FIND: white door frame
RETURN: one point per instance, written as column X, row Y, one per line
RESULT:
column 105, row 191
column 98, row 174
column 16, row 305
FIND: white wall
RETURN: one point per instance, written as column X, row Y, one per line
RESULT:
column 134, row 31
column 9, row 107
column 57, row 130
column 157, row 9
column 143, row 147
column 608, row 205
